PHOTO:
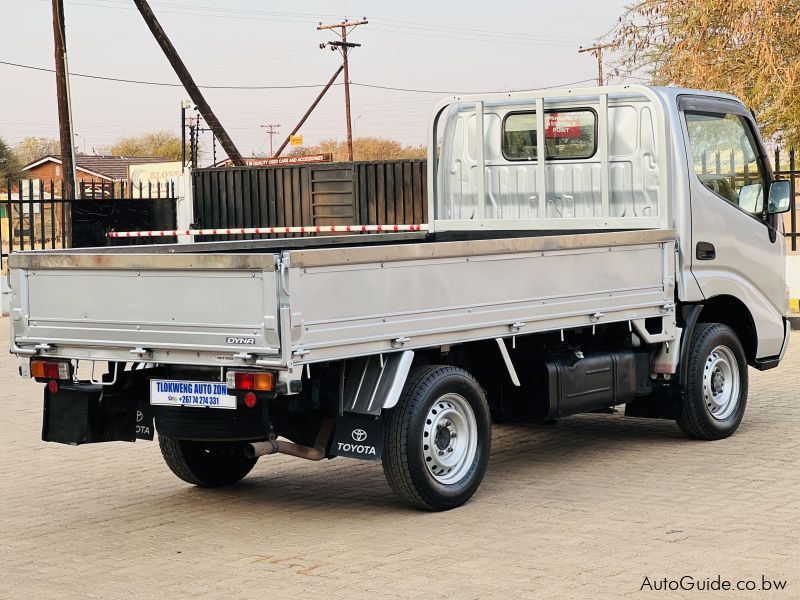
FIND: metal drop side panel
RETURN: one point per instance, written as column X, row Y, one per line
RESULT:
column 178, row 309
column 375, row 300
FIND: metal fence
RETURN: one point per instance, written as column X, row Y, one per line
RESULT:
column 363, row 193
column 788, row 170
column 35, row 215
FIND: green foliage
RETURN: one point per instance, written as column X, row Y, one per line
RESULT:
column 364, row 148
column 9, row 164
column 161, row 144
column 30, row 149
column 748, row 48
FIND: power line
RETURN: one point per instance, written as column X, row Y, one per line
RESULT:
column 399, row 89
column 451, row 32
column 287, row 87
column 165, row 84
column 473, row 38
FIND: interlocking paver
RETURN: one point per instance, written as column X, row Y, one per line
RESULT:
column 584, row 509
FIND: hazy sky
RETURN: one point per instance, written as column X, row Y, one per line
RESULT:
column 444, row 46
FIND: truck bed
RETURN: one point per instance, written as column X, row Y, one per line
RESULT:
column 287, row 302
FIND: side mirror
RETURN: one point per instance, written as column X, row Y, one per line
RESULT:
column 751, row 198
column 780, row 197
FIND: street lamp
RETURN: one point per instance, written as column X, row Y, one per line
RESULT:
column 83, row 139
column 184, row 105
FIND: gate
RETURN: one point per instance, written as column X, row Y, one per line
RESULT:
column 788, row 170
column 362, row 193
column 36, row 216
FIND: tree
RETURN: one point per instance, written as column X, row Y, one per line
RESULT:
column 364, row 148
column 161, row 144
column 10, row 166
column 30, row 149
column 748, row 48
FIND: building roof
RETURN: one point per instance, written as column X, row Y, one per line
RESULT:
column 114, row 168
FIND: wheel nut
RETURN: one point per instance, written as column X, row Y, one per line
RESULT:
column 453, row 435
column 441, row 452
column 449, row 449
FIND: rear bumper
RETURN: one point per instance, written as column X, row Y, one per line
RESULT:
column 765, row 364
column 86, row 413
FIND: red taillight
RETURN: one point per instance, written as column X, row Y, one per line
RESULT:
column 260, row 381
column 52, row 385
column 249, row 399
column 244, row 381
column 51, row 369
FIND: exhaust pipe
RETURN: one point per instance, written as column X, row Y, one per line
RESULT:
column 257, row 449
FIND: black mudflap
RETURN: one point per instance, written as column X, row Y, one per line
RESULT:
column 77, row 414
column 145, row 426
column 358, row 436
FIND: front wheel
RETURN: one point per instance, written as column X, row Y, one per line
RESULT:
column 713, row 402
column 437, row 438
column 206, row 464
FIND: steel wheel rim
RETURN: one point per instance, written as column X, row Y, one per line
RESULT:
column 721, row 383
column 449, row 439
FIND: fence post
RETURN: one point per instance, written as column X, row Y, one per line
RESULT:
column 184, row 205
column 793, row 199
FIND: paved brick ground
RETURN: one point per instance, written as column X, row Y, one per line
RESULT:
column 585, row 509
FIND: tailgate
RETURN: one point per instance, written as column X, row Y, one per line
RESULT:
column 177, row 308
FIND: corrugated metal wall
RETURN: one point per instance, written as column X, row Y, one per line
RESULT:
column 368, row 193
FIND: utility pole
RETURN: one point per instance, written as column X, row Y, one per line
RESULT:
column 597, row 52
column 188, row 83
column 344, row 46
column 272, row 129
column 66, row 136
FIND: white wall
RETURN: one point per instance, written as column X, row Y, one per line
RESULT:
column 793, row 279
column 5, row 295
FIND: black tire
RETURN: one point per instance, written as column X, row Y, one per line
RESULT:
column 697, row 402
column 206, row 464
column 404, row 456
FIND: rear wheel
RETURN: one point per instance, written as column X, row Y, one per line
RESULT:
column 207, row 464
column 714, row 401
column 438, row 438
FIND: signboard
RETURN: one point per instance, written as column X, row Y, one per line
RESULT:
column 281, row 160
column 296, row 140
column 562, row 125
column 154, row 180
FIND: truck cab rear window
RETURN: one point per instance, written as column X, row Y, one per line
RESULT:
column 568, row 134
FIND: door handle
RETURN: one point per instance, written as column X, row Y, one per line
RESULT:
column 705, row 251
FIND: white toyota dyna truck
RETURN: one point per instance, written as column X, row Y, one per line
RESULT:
column 586, row 248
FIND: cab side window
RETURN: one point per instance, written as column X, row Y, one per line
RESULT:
column 725, row 158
